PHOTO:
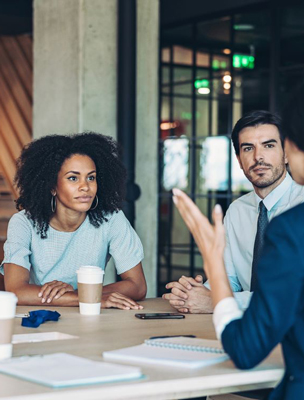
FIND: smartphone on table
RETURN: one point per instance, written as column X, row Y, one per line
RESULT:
column 159, row 316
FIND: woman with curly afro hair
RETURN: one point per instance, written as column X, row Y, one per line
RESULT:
column 71, row 190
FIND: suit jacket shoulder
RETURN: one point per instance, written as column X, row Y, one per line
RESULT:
column 268, row 320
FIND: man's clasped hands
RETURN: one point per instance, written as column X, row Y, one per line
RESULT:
column 189, row 295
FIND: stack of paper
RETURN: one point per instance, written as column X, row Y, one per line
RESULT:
column 62, row 370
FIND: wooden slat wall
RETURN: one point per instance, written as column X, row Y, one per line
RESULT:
column 16, row 95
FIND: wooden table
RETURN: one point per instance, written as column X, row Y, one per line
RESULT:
column 115, row 329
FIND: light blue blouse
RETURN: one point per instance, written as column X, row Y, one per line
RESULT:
column 59, row 255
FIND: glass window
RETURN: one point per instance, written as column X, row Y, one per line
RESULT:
column 182, row 108
column 181, row 38
column 203, row 59
column 212, row 171
column 255, row 91
column 165, row 87
column 182, row 81
column 251, row 61
column 201, row 102
column 165, row 117
column 182, row 55
column 175, row 164
column 292, row 35
column 202, row 116
column 166, row 54
column 213, row 36
column 291, row 51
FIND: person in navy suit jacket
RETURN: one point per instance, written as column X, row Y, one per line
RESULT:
column 276, row 311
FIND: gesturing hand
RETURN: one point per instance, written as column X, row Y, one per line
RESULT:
column 209, row 239
column 53, row 290
column 118, row 300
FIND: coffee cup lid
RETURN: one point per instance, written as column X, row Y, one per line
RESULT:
column 90, row 269
column 9, row 296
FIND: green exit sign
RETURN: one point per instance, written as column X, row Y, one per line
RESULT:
column 243, row 61
column 201, row 83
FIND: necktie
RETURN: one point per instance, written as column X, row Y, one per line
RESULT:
column 258, row 243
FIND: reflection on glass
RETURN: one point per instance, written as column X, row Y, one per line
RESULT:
column 202, row 59
column 202, row 117
column 182, row 109
column 182, row 81
column 165, row 75
column 238, row 87
column 214, row 34
column 252, row 40
column 221, row 83
column 220, row 62
column 291, row 51
column 182, row 55
column 292, row 35
column 165, row 108
column 176, row 156
column 166, row 54
column 214, row 164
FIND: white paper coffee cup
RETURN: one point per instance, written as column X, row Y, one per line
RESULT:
column 8, row 303
column 90, row 281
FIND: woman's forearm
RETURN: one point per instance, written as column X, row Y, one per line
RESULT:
column 128, row 288
column 219, row 283
column 133, row 284
column 16, row 279
column 28, row 296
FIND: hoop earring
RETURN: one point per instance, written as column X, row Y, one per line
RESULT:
column 95, row 204
column 53, row 204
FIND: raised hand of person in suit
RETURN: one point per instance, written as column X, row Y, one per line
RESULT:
column 210, row 240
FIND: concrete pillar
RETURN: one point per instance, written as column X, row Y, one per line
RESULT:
column 75, row 89
column 147, row 135
column 75, row 58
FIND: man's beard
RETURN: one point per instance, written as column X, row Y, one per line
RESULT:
column 277, row 174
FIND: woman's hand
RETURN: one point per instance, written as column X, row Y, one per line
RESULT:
column 118, row 300
column 53, row 290
column 211, row 243
column 210, row 239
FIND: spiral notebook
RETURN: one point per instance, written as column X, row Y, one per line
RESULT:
column 175, row 352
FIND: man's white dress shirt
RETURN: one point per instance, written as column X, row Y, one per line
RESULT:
column 241, row 226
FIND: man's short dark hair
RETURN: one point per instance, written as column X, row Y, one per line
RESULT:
column 255, row 118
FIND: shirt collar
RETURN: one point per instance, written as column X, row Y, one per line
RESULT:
column 275, row 195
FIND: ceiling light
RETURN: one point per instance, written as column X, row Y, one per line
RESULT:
column 227, row 78
column 164, row 126
column 243, row 27
column 204, row 90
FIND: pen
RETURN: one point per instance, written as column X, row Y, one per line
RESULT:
column 169, row 336
column 26, row 315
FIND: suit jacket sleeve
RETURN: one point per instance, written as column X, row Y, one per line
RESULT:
column 274, row 305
